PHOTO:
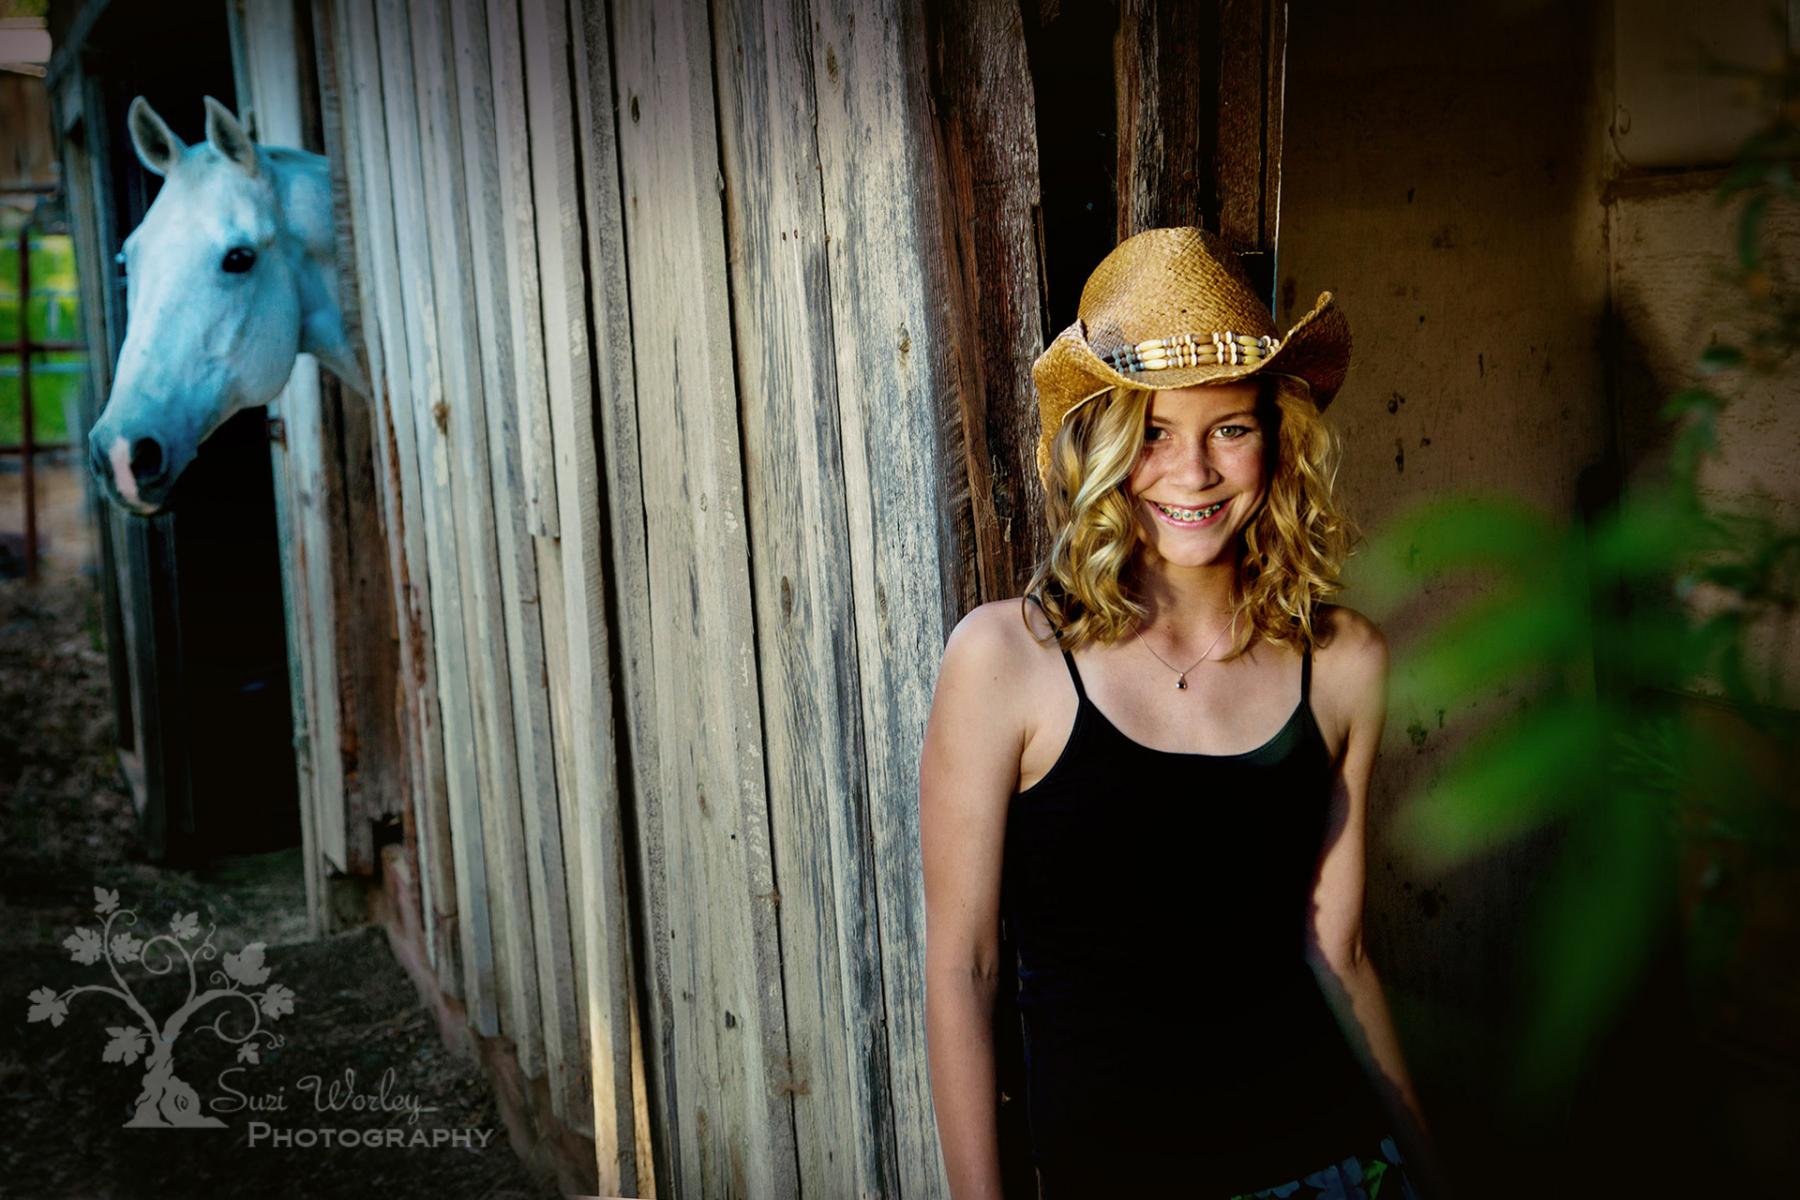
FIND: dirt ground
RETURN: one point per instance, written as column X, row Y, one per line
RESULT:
column 67, row 828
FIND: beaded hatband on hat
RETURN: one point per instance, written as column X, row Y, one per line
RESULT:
column 1172, row 308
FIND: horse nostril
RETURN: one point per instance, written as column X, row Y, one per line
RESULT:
column 146, row 460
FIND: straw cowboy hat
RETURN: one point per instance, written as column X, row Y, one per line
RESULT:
column 1171, row 308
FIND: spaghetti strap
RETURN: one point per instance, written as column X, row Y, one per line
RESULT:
column 1305, row 674
column 1080, row 692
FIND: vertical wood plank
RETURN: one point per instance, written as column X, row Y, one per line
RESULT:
column 371, row 260
column 580, row 1102
column 489, row 808
column 380, row 274
column 369, row 666
column 430, row 409
column 1252, row 59
column 585, row 713
column 1274, row 121
column 986, row 125
column 517, row 220
column 623, row 530
column 794, row 486
column 900, row 451
column 537, row 900
column 1166, row 62
column 524, row 467
column 302, row 491
column 735, row 1109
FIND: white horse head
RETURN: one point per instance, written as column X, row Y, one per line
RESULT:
column 231, row 273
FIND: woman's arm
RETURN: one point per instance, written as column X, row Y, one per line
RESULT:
column 968, row 769
column 1358, row 683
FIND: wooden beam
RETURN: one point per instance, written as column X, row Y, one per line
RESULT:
column 578, row 379
column 366, row 258
column 982, row 98
column 489, row 807
column 370, row 708
column 1252, row 56
column 496, row 157
column 1165, row 64
column 736, row 1133
column 794, row 488
column 903, row 448
column 382, row 285
column 429, row 409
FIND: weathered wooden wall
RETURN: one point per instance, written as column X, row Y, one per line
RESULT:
column 697, row 339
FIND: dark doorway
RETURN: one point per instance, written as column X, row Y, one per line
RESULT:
column 212, row 587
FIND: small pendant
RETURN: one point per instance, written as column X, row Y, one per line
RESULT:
column 1181, row 682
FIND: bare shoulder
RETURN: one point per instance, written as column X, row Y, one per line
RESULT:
column 982, row 713
column 997, row 643
column 1002, row 626
column 1350, row 669
column 1351, row 641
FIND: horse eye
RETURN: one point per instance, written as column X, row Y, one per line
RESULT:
column 239, row 259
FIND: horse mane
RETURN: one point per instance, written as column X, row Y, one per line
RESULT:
column 290, row 154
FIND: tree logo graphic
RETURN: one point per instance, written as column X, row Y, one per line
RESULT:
column 166, row 1101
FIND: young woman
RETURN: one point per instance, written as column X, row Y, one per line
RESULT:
column 1154, row 767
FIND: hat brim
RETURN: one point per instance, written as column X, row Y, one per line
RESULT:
column 1068, row 373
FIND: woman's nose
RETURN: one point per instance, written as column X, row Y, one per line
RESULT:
column 1196, row 461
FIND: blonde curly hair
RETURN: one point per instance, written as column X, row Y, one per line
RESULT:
column 1293, row 549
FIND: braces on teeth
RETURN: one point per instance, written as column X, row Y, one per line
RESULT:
column 1191, row 514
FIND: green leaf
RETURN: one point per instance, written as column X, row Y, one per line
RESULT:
column 1689, row 400
column 1738, row 577
column 1715, row 639
column 1513, row 780
column 1452, row 533
column 1649, row 532
column 1720, row 356
column 1649, row 646
column 1592, row 926
column 1508, row 637
column 1734, row 675
column 1650, row 758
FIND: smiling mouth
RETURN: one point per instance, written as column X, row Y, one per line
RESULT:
column 1189, row 516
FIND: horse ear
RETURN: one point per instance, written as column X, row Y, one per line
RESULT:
column 228, row 137
column 156, row 144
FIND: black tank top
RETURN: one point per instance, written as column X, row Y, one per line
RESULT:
column 1159, row 903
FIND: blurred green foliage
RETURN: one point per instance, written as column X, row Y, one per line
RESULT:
column 54, row 315
column 1603, row 634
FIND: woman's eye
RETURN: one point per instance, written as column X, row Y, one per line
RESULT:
column 1233, row 432
column 1154, row 433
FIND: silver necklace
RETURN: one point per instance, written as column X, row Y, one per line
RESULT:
column 1181, row 676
